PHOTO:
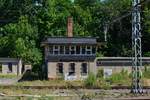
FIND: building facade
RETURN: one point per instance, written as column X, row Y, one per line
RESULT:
column 72, row 58
column 112, row 65
column 10, row 66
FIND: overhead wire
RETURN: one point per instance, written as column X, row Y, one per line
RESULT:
column 108, row 23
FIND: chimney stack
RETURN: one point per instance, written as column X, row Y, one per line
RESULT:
column 70, row 27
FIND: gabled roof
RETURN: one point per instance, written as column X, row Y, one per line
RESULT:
column 70, row 40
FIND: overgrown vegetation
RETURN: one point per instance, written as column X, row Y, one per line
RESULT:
column 91, row 80
column 121, row 78
column 146, row 72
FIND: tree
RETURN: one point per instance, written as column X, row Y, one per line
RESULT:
column 22, row 39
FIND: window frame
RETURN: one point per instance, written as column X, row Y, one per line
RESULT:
column 71, row 69
column 83, row 72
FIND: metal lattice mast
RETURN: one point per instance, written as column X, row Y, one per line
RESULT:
column 136, row 48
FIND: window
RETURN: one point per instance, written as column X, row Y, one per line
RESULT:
column 56, row 49
column 83, row 50
column 51, row 49
column 9, row 67
column 93, row 50
column 71, row 69
column 67, row 50
column 88, row 50
column 59, row 69
column 61, row 49
column 72, row 49
column 77, row 49
column 84, row 69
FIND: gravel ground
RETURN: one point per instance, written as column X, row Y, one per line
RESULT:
column 8, row 81
column 89, row 94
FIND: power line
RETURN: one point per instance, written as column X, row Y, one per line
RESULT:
column 108, row 23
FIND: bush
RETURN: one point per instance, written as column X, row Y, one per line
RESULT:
column 91, row 80
column 146, row 72
column 100, row 73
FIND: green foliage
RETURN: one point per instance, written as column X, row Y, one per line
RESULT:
column 8, row 76
column 120, row 78
column 91, row 80
column 146, row 72
column 20, row 41
column 100, row 73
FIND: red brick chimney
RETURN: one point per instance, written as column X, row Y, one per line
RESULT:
column 70, row 27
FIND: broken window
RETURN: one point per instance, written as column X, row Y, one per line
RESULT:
column 59, row 69
column 84, row 69
column 72, row 49
column 9, row 67
column 66, row 49
column 56, row 49
column 88, row 50
column 51, row 49
column 93, row 49
column 83, row 50
column 71, row 69
column 77, row 49
column 61, row 49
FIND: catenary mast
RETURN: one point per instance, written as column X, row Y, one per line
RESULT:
column 136, row 48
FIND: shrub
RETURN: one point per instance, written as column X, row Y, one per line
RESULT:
column 120, row 78
column 91, row 80
column 100, row 73
column 146, row 72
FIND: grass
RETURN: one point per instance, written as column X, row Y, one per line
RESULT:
column 49, row 83
column 121, row 78
column 8, row 76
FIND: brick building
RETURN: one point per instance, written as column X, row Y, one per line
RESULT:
column 69, row 57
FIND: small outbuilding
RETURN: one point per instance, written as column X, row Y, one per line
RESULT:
column 10, row 66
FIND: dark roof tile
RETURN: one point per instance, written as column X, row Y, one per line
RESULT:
column 70, row 40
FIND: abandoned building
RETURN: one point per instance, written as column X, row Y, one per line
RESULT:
column 72, row 58
column 10, row 66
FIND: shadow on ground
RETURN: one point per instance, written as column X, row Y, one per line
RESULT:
column 30, row 76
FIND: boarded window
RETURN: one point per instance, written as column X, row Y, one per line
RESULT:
column 84, row 69
column 59, row 68
column 71, row 69
column 9, row 67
